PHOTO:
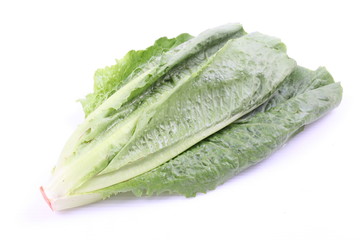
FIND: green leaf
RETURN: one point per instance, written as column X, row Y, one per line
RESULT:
column 109, row 79
column 242, row 144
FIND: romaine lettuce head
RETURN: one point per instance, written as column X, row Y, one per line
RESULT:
column 186, row 114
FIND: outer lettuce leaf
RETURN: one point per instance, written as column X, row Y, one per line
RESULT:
column 300, row 81
column 244, row 143
column 109, row 79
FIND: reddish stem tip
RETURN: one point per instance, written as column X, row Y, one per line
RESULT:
column 45, row 197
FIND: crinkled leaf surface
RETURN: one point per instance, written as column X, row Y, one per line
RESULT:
column 109, row 79
column 238, row 78
column 304, row 97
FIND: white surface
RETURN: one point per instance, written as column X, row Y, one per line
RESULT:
column 48, row 53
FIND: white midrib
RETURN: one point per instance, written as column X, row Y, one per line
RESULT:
column 85, row 163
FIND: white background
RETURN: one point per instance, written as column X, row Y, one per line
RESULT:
column 49, row 51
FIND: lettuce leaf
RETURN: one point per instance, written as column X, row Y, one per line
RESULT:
column 109, row 79
column 303, row 98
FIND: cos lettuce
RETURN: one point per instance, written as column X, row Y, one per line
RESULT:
column 186, row 114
